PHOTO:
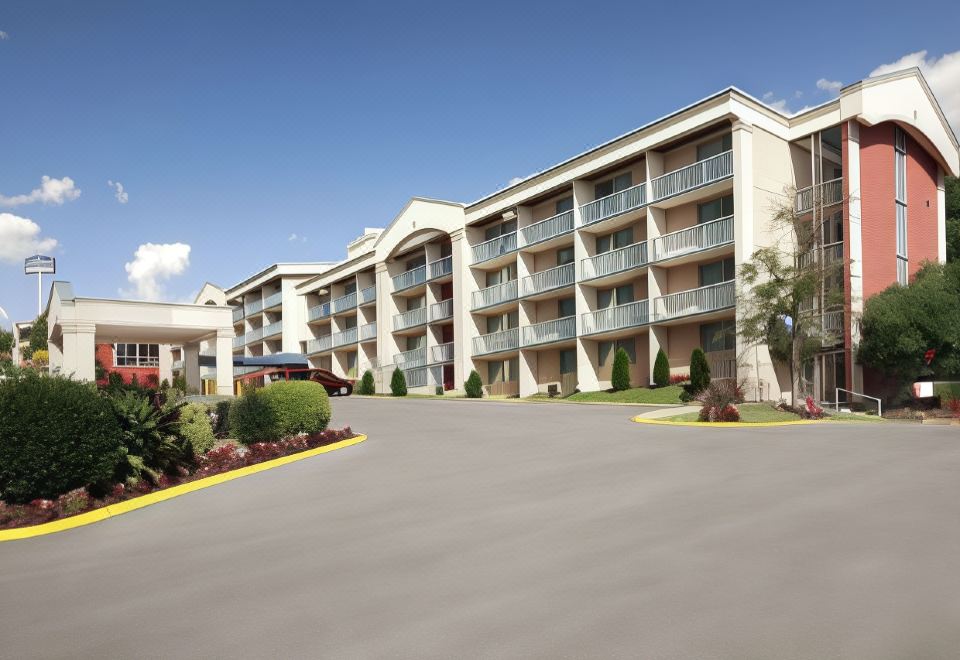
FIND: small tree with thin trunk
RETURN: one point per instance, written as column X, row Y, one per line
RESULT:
column 699, row 371
column 366, row 383
column 661, row 370
column 620, row 379
column 398, row 383
column 473, row 386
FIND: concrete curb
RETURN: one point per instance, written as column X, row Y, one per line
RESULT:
column 735, row 425
column 513, row 400
column 135, row 503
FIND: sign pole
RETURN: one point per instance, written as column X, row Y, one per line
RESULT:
column 37, row 265
column 39, row 292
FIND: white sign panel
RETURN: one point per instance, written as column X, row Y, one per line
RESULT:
column 39, row 264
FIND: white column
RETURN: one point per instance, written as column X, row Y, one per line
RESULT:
column 463, row 327
column 941, row 216
column 166, row 363
column 656, row 276
column 854, row 235
column 224, row 352
column 56, row 356
column 79, row 350
column 385, row 311
column 587, row 380
column 191, row 365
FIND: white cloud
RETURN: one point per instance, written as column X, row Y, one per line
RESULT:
column 152, row 265
column 832, row 86
column 51, row 191
column 296, row 237
column 942, row 74
column 20, row 238
column 119, row 192
column 777, row 104
column 514, row 181
column 4, row 36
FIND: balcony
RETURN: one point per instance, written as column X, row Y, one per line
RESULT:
column 538, row 232
column 619, row 317
column 177, row 365
column 550, row 331
column 274, row 300
column 410, row 319
column 411, row 359
column 367, row 295
column 497, row 342
column 441, row 268
column 272, row 329
column 695, row 301
column 410, row 279
column 416, row 377
column 614, row 261
column 495, row 295
column 253, row 307
column 318, row 312
column 548, row 280
column 442, row 310
column 237, row 314
column 723, row 364
column 243, row 371
column 368, row 331
column 348, row 336
column 495, row 247
column 691, row 177
column 253, row 335
column 343, row 303
column 239, row 341
column 829, row 254
column 323, row 343
column 827, row 193
column 442, row 353
column 613, row 205
column 693, row 239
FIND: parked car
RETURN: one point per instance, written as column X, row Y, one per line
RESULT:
column 335, row 385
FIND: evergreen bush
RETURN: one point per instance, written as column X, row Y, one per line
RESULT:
column 620, row 380
column 699, row 371
column 474, row 386
column 661, row 370
column 398, row 383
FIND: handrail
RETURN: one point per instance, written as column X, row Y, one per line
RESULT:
column 860, row 394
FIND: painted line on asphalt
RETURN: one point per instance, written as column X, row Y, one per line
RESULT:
column 135, row 503
column 732, row 425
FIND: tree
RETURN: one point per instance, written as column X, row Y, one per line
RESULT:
column 474, row 386
column 366, row 383
column 620, row 379
column 699, row 371
column 6, row 341
column 398, row 383
column 38, row 334
column 786, row 285
column 661, row 370
column 953, row 217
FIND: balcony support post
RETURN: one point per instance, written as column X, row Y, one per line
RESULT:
column 586, row 296
column 528, row 372
column 464, row 330
column 853, row 231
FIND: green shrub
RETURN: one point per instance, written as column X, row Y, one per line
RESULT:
column 195, row 428
column 40, row 357
column 438, row 390
column 620, row 380
column 221, row 427
column 38, row 334
column 114, row 380
column 148, row 434
column 699, row 371
column 55, row 435
column 398, row 383
column 366, row 385
column 661, row 370
column 474, row 386
column 301, row 406
column 180, row 383
column 253, row 418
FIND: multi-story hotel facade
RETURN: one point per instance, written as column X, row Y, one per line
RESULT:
column 635, row 244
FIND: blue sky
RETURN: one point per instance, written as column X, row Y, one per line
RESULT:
column 233, row 129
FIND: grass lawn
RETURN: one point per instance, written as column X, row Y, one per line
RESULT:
column 749, row 412
column 669, row 394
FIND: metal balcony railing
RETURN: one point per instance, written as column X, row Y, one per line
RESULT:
column 695, row 301
column 616, row 318
column 237, row 314
column 544, row 230
column 239, row 341
column 411, row 359
column 272, row 329
column 273, row 300
column 343, row 303
column 242, row 371
column 253, row 307
column 368, row 331
column 827, row 193
column 550, row 331
column 495, row 247
column 687, row 178
column 693, row 239
column 409, row 279
column 548, row 280
column 410, row 318
column 614, row 205
column 367, row 295
column 441, row 267
column 614, row 261
column 318, row 312
column 442, row 353
column 253, row 335
column 415, row 377
column 322, row 343
column 348, row 336
column 441, row 310
column 177, row 365
column 831, row 254
column 494, row 295
column 496, row 342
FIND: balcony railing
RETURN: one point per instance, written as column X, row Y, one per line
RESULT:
column 318, row 312
column 411, row 278
column 177, row 365
column 348, row 336
column 243, row 371
column 323, row 343
column 253, row 307
column 695, row 301
column 415, row 377
column 495, row 247
column 273, row 300
column 368, row 331
column 548, row 280
column 272, row 329
column 496, row 342
column 616, row 318
column 699, row 174
column 239, row 341
column 441, row 310
column 831, row 254
column 723, row 364
column 613, row 205
column 693, row 239
column 614, row 261
column 560, row 224
column 827, row 193
column 441, row 267
column 253, row 335
column 411, row 359
column 442, row 353
column 237, row 314
column 494, row 295
column 343, row 303
column 550, row 331
column 409, row 319
column 367, row 295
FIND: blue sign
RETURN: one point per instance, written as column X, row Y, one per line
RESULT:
column 39, row 264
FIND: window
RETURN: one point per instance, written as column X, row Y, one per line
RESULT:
column 505, row 274
column 564, row 205
column 499, row 372
column 833, row 228
column 614, row 185
column 414, row 343
column 351, row 365
column 410, row 265
column 565, row 256
column 500, row 229
column 717, row 272
column 566, row 307
column 714, row 147
column 722, row 207
column 349, row 322
column 503, row 321
column 349, row 287
column 136, row 355
column 900, row 174
column 416, row 303
column 615, row 241
column 621, row 295
column 568, row 361
column 719, row 336
column 607, row 350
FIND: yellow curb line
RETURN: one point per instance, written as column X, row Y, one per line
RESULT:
column 663, row 422
column 166, row 494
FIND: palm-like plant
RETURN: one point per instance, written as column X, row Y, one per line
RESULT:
column 149, row 440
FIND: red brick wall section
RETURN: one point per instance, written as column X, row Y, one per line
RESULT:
column 922, row 237
column 878, row 215
column 145, row 375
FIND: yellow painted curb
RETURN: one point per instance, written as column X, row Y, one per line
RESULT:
column 738, row 425
column 166, row 494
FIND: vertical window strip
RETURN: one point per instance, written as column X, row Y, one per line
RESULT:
column 900, row 174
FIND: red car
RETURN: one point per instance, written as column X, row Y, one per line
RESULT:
column 335, row 385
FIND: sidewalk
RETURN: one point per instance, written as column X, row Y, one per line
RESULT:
column 669, row 412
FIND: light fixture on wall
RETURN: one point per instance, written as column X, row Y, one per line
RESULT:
column 509, row 215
